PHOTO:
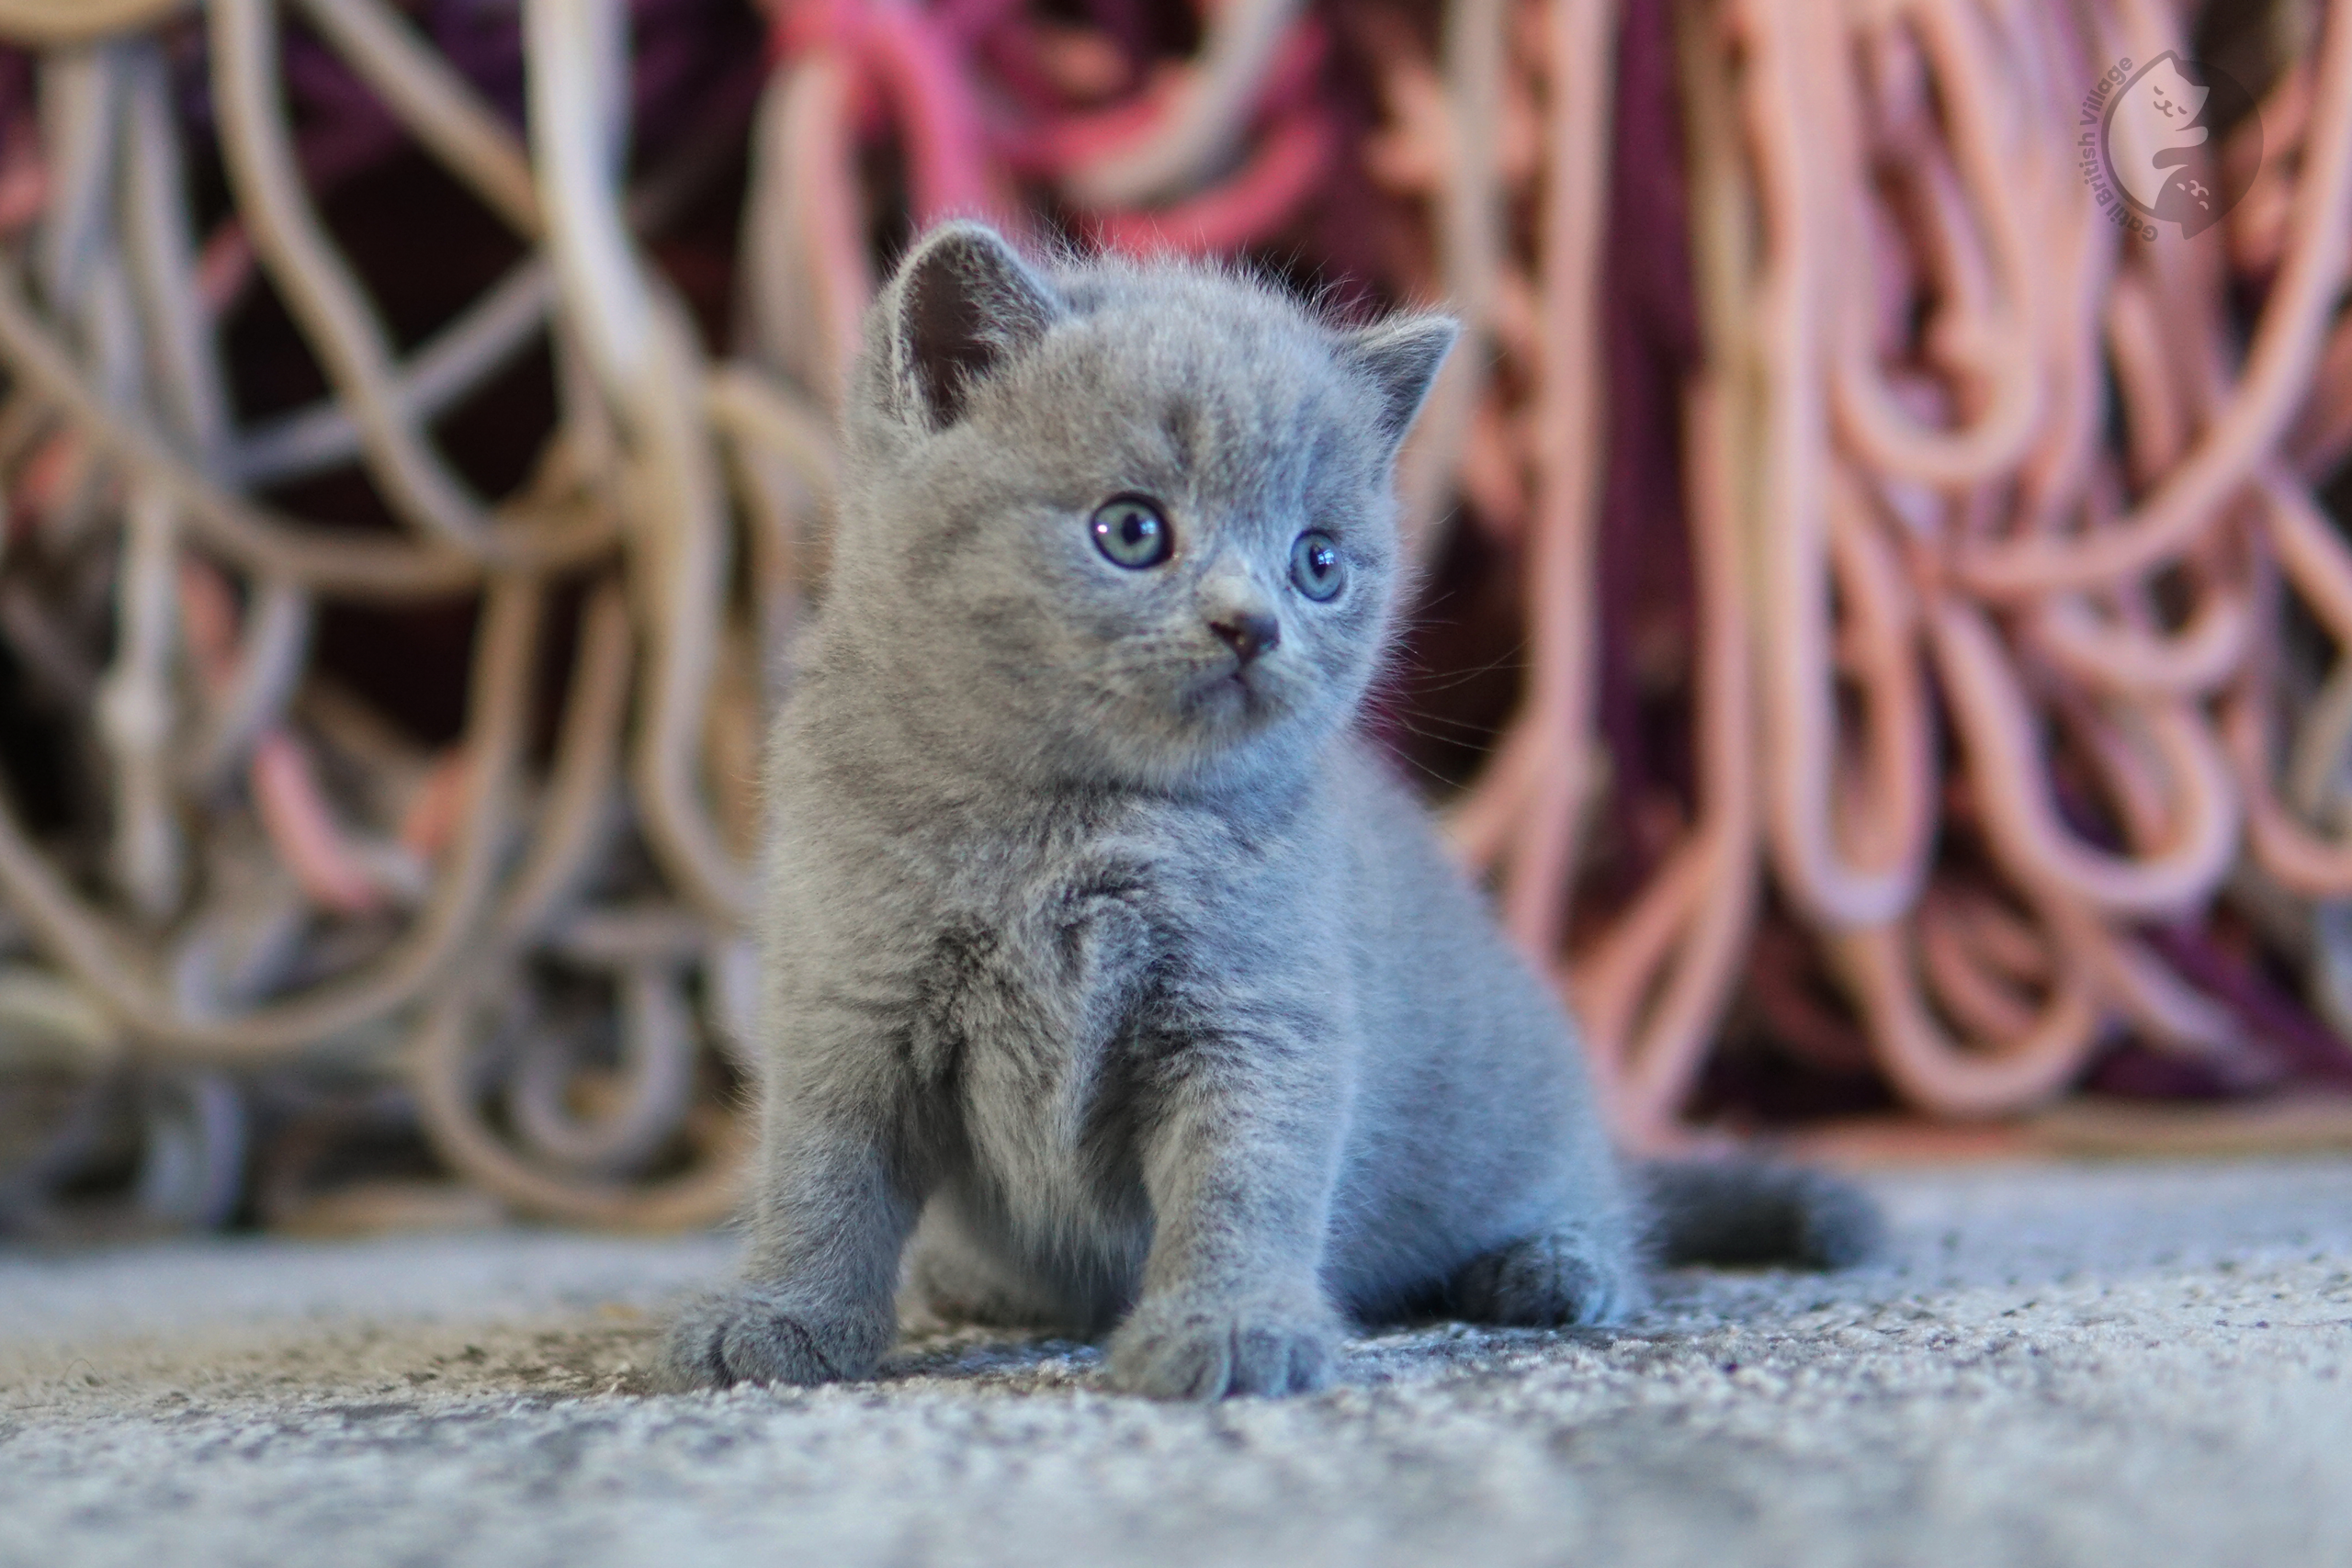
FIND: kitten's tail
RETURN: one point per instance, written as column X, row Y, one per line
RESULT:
column 1746, row 1212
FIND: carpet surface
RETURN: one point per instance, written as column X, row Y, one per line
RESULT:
column 2107, row 1365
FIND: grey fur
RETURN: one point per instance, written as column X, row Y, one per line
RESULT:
column 1121, row 980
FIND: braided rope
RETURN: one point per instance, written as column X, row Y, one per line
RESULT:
column 1981, row 685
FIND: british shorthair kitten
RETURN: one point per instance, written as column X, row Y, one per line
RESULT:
column 1104, row 962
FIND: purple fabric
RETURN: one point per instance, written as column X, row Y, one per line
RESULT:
column 2278, row 1022
column 1649, row 321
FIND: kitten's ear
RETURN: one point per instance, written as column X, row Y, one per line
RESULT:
column 964, row 302
column 1401, row 355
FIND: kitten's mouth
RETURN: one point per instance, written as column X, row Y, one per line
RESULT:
column 1235, row 693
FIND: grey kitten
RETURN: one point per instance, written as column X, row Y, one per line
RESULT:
column 1102, row 959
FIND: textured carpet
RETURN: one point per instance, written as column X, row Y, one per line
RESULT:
column 2117, row 1366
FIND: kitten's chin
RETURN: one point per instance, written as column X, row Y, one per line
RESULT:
column 1232, row 706
column 1229, row 719
column 1219, row 727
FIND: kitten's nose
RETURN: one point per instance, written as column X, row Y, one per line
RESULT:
column 1248, row 634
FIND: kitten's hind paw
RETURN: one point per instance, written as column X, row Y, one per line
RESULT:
column 1189, row 1348
column 751, row 1334
column 1552, row 1281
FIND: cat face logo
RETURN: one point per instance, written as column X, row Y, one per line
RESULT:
column 2160, row 141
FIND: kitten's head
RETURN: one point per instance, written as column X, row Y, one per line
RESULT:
column 1116, row 521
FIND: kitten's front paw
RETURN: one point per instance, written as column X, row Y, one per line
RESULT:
column 1189, row 1348
column 755, row 1334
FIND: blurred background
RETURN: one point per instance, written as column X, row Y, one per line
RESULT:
column 1882, row 596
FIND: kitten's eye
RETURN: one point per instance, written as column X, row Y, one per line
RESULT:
column 1316, row 567
column 1130, row 532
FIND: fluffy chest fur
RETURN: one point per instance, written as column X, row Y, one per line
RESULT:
column 1038, row 961
column 1025, row 1008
